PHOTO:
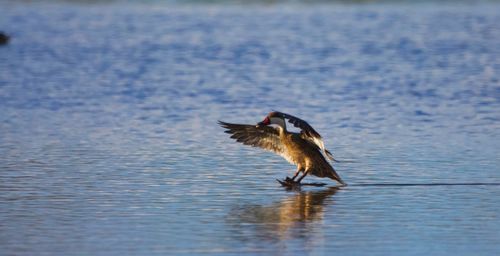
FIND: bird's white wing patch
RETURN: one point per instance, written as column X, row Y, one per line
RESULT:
column 319, row 142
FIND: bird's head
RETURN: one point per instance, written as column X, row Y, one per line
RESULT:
column 273, row 118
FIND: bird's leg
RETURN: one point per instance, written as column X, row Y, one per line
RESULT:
column 299, row 169
column 303, row 176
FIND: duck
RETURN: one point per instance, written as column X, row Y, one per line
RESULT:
column 306, row 149
column 4, row 38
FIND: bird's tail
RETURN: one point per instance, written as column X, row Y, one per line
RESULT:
column 326, row 170
column 334, row 176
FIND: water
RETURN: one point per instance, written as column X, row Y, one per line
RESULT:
column 109, row 143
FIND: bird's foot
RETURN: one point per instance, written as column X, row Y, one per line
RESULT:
column 289, row 182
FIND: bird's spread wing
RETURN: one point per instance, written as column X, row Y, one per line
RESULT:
column 258, row 136
column 308, row 133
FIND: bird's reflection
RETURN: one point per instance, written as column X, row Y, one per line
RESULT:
column 280, row 219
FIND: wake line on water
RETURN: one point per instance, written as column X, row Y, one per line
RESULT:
column 420, row 184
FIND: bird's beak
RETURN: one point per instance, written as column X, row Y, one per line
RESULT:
column 265, row 122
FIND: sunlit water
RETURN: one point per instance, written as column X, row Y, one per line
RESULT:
column 109, row 143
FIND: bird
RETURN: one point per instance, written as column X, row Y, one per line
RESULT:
column 306, row 149
column 4, row 38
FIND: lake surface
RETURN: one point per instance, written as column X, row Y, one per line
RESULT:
column 109, row 143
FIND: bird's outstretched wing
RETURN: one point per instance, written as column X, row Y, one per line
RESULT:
column 258, row 136
column 308, row 133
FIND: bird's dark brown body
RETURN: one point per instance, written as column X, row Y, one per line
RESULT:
column 304, row 149
column 307, row 156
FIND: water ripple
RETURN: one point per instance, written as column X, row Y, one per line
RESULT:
column 109, row 142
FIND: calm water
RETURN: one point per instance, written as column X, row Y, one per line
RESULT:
column 109, row 143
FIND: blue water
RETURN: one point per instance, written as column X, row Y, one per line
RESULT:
column 109, row 143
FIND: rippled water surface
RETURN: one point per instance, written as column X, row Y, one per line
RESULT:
column 109, row 143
